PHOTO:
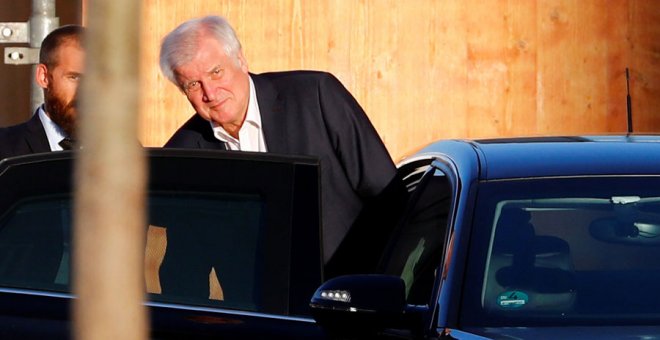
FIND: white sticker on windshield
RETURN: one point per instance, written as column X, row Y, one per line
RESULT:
column 512, row 299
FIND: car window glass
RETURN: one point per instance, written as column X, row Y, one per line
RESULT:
column 35, row 245
column 376, row 224
column 418, row 247
column 578, row 249
column 212, row 242
column 201, row 249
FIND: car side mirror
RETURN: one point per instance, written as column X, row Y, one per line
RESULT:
column 361, row 304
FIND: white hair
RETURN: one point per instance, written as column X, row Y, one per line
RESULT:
column 180, row 46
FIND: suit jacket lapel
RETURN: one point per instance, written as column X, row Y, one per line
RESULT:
column 272, row 110
column 35, row 137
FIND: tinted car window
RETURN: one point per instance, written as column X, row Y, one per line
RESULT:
column 582, row 250
column 35, row 245
column 418, row 246
column 200, row 233
column 228, row 236
column 189, row 235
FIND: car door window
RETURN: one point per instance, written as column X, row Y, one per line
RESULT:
column 417, row 248
column 34, row 245
column 189, row 237
column 213, row 241
column 241, row 241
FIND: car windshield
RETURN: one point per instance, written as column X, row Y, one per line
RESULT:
column 572, row 250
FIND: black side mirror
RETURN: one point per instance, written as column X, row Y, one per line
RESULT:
column 359, row 304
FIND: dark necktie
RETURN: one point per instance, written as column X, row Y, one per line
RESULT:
column 67, row 143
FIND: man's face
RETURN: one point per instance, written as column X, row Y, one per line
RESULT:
column 60, row 83
column 217, row 85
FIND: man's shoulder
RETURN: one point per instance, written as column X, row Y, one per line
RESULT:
column 297, row 77
column 13, row 139
column 194, row 129
column 194, row 126
column 194, row 123
column 297, row 81
column 14, row 131
column 295, row 74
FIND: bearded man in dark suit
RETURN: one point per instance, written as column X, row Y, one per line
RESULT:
column 297, row 112
column 52, row 127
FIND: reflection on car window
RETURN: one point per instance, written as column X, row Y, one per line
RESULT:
column 201, row 249
column 201, row 234
column 419, row 245
column 34, row 245
column 577, row 249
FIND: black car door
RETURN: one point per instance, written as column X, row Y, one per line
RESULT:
column 233, row 245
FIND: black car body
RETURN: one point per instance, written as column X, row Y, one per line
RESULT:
column 252, row 218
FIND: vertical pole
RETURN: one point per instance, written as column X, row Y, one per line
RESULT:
column 110, row 176
column 42, row 22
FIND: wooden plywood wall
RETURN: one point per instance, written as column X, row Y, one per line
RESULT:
column 430, row 69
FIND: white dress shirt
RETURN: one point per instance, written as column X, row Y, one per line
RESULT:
column 250, row 135
column 54, row 132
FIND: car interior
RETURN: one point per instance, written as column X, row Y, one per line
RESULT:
column 553, row 258
column 526, row 271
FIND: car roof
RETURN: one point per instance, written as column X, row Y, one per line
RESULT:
column 508, row 158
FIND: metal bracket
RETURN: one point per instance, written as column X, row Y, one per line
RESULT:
column 42, row 21
column 17, row 33
column 14, row 32
column 21, row 55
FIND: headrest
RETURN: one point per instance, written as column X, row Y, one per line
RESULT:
column 513, row 229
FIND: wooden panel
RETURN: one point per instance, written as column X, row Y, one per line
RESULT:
column 501, row 44
column 579, row 58
column 645, row 65
column 426, row 69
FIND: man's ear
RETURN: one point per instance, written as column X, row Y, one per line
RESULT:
column 41, row 76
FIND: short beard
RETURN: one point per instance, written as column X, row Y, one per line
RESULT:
column 63, row 114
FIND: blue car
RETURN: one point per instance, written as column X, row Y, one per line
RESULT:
column 527, row 238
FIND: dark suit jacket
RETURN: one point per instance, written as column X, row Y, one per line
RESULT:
column 311, row 113
column 25, row 138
